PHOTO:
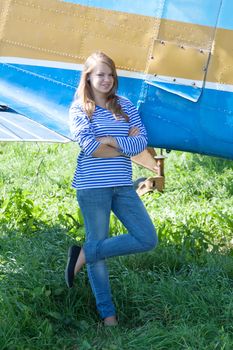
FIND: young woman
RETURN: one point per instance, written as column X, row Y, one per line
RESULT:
column 109, row 131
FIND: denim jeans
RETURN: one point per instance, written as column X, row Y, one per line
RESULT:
column 96, row 205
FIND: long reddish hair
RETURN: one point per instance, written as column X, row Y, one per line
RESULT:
column 84, row 91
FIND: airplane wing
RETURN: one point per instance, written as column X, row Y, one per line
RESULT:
column 17, row 127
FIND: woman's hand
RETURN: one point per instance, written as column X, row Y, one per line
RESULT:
column 108, row 140
column 134, row 131
column 112, row 142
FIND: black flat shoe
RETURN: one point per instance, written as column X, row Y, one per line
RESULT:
column 73, row 255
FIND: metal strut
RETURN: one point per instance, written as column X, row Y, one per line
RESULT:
column 150, row 160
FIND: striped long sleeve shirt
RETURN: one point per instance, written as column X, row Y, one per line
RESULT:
column 93, row 172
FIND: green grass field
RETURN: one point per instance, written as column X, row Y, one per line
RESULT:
column 180, row 296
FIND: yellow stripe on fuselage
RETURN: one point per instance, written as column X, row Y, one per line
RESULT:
column 60, row 31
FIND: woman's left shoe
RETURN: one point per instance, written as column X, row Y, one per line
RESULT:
column 73, row 255
column 111, row 321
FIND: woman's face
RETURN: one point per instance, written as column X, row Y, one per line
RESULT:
column 101, row 79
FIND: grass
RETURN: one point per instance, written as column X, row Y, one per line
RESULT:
column 180, row 296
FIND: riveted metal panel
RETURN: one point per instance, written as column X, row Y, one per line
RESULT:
column 221, row 64
column 181, row 53
column 174, row 60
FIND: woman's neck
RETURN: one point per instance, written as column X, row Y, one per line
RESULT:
column 100, row 100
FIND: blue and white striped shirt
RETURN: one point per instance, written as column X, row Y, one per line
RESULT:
column 93, row 172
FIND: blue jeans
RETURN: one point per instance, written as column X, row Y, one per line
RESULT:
column 96, row 205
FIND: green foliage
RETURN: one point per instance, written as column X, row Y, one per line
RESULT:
column 19, row 212
column 178, row 296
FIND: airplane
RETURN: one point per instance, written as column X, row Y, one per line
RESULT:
column 174, row 60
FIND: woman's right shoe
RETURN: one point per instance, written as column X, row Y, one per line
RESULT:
column 73, row 254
